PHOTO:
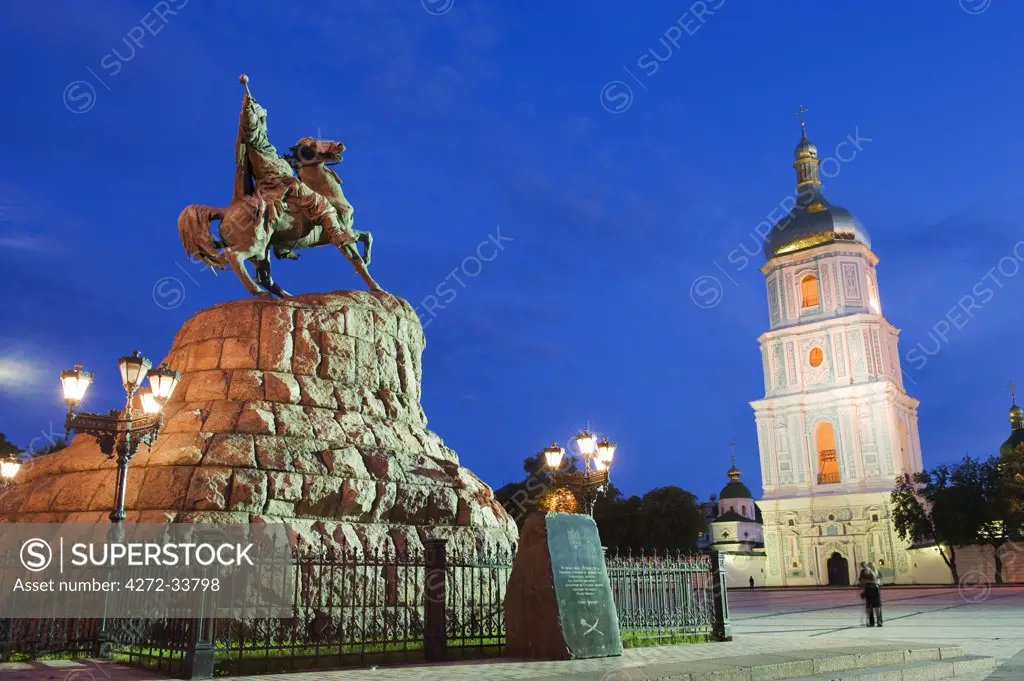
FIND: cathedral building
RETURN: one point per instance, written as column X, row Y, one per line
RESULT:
column 835, row 426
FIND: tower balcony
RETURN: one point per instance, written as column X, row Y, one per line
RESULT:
column 829, row 467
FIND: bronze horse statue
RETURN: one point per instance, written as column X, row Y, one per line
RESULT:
column 274, row 209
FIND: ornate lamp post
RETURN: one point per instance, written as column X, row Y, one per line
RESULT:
column 119, row 433
column 592, row 482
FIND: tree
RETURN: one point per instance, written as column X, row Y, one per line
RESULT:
column 54, row 446
column 521, row 498
column 664, row 519
column 8, row 448
column 673, row 519
column 951, row 506
column 1003, row 488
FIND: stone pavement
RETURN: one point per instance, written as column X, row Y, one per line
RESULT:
column 766, row 625
column 984, row 620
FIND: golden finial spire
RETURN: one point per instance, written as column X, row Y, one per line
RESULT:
column 806, row 155
column 1016, row 413
column 734, row 473
column 800, row 112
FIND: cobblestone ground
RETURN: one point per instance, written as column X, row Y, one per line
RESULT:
column 984, row 620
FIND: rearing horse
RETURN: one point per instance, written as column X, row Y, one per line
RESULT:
column 253, row 225
column 271, row 208
column 311, row 158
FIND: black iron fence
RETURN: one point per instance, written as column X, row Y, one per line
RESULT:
column 349, row 608
column 356, row 608
column 669, row 598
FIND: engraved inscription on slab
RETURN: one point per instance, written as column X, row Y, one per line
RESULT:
column 587, row 611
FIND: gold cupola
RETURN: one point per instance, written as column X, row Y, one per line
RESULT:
column 813, row 221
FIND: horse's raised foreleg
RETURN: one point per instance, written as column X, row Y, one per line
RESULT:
column 347, row 245
column 367, row 240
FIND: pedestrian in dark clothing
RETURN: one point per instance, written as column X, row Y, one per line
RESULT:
column 872, row 595
column 751, row 582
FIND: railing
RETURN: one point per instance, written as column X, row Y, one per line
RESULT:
column 827, row 459
column 356, row 608
column 668, row 598
column 349, row 608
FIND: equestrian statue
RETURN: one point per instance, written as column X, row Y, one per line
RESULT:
column 271, row 208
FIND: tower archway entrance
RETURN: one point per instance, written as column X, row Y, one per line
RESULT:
column 838, row 570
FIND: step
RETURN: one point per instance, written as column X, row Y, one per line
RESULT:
column 881, row 662
column 914, row 671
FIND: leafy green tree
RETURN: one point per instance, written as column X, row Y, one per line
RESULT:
column 946, row 505
column 673, row 519
column 8, row 448
column 1003, row 487
column 664, row 519
column 54, row 446
column 521, row 498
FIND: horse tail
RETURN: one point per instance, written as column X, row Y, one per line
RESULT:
column 194, row 228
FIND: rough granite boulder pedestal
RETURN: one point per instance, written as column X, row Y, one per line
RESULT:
column 305, row 409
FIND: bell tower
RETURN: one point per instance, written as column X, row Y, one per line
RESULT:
column 835, row 426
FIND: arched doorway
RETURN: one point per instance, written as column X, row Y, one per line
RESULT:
column 838, row 570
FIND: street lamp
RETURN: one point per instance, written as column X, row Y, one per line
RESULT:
column 592, row 482
column 9, row 466
column 119, row 433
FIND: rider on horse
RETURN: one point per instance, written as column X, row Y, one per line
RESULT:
column 261, row 170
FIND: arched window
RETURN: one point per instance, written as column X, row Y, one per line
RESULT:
column 809, row 291
column 828, row 464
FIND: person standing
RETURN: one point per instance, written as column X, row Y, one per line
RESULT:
column 751, row 581
column 872, row 595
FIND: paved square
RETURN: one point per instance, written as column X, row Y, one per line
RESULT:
column 985, row 621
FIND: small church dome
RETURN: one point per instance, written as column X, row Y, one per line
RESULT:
column 1017, row 428
column 734, row 489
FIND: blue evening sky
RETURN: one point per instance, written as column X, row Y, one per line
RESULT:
column 464, row 116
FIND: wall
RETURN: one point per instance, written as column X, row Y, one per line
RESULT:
column 740, row 568
column 975, row 565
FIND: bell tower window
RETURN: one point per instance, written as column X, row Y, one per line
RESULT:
column 828, row 464
column 809, row 292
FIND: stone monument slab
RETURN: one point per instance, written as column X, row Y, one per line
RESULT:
column 559, row 602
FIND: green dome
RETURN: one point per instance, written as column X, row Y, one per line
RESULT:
column 735, row 490
column 1017, row 434
column 1016, row 438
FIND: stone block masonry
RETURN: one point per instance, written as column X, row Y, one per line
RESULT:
column 305, row 410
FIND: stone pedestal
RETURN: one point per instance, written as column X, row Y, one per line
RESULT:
column 305, row 409
column 559, row 602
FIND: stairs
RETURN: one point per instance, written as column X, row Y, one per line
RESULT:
column 881, row 662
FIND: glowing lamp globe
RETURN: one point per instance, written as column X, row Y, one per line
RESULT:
column 605, row 452
column 9, row 467
column 586, row 442
column 133, row 369
column 150, row 403
column 163, row 380
column 74, row 383
column 553, row 456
